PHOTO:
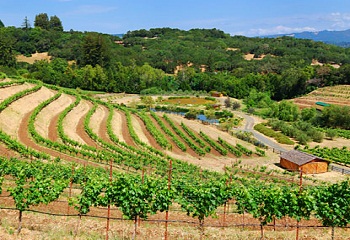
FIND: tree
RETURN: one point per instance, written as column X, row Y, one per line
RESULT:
column 228, row 102
column 42, row 21
column 26, row 24
column 7, row 55
column 95, row 50
column 55, row 24
column 148, row 101
column 1, row 24
column 236, row 105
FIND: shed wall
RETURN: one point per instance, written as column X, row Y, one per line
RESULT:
column 315, row 167
column 288, row 165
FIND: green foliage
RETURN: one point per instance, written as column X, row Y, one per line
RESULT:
column 336, row 117
column 285, row 111
column 341, row 155
column 331, row 133
column 7, row 52
column 279, row 137
column 257, row 99
column 235, row 105
column 42, row 21
column 332, row 204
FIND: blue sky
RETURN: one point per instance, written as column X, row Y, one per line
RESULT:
column 236, row 17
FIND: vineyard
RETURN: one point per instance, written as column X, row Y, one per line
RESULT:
column 68, row 154
column 338, row 95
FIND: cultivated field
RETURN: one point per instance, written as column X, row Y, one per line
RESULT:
column 338, row 95
column 57, row 125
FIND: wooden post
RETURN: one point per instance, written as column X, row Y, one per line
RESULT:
column 300, row 189
column 167, row 212
column 109, row 206
column 70, row 189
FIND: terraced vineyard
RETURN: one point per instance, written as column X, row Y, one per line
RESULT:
column 338, row 95
column 62, row 124
column 155, row 161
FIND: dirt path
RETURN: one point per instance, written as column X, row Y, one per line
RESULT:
column 125, row 131
column 143, row 134
column 26, row 140
column 102, row 132
column 49, row 115
column 10, row 118
column 5, row 152
column 81, row 130
column 11, row 90
column 72, row 121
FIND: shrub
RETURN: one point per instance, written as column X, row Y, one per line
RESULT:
column 331, row 133
column 236, row 105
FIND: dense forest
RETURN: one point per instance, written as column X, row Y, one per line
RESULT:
column 165, row 59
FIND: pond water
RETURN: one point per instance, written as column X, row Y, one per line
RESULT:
column 200, row 117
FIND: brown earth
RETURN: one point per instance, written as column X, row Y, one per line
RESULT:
column 35, row 57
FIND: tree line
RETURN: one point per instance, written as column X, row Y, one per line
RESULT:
column 170, row 60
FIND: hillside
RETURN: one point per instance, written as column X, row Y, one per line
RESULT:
column 339, row 38
column 167, row 60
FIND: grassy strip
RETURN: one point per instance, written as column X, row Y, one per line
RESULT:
column 279, row 137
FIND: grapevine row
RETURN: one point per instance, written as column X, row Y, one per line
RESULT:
column 193, row 146
column 214, row 144
column 158, row 136
column 229, row 147
column 193, row 136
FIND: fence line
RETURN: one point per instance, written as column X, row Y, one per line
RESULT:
column 231, row 225
column 339, row 169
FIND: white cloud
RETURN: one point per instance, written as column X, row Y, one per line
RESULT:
column 338, row 20
column 275, row 30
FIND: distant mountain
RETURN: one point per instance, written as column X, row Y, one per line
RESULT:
column 340, row 38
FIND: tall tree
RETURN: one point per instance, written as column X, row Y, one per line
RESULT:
column 55, row 24
column 7, row 55
column 42, row 21
column 1, row 24
column 95, row 50
column 26, row 24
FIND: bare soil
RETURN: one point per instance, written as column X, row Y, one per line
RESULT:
column 338, row 95
column 10, row 118
column 185, row 101
column 9, row 91
column 35, row 57
column 117, row 125
column 72, row 121
column 47, row 115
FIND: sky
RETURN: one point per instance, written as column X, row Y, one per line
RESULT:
column 235, row 17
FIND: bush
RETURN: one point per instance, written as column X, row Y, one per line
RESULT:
column 236, row 105
column 331, row 133
column 2, row 75
column 302, row 139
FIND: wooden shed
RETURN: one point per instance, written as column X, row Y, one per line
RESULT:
column 295, row 160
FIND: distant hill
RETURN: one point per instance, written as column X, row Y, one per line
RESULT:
column 339, row 38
